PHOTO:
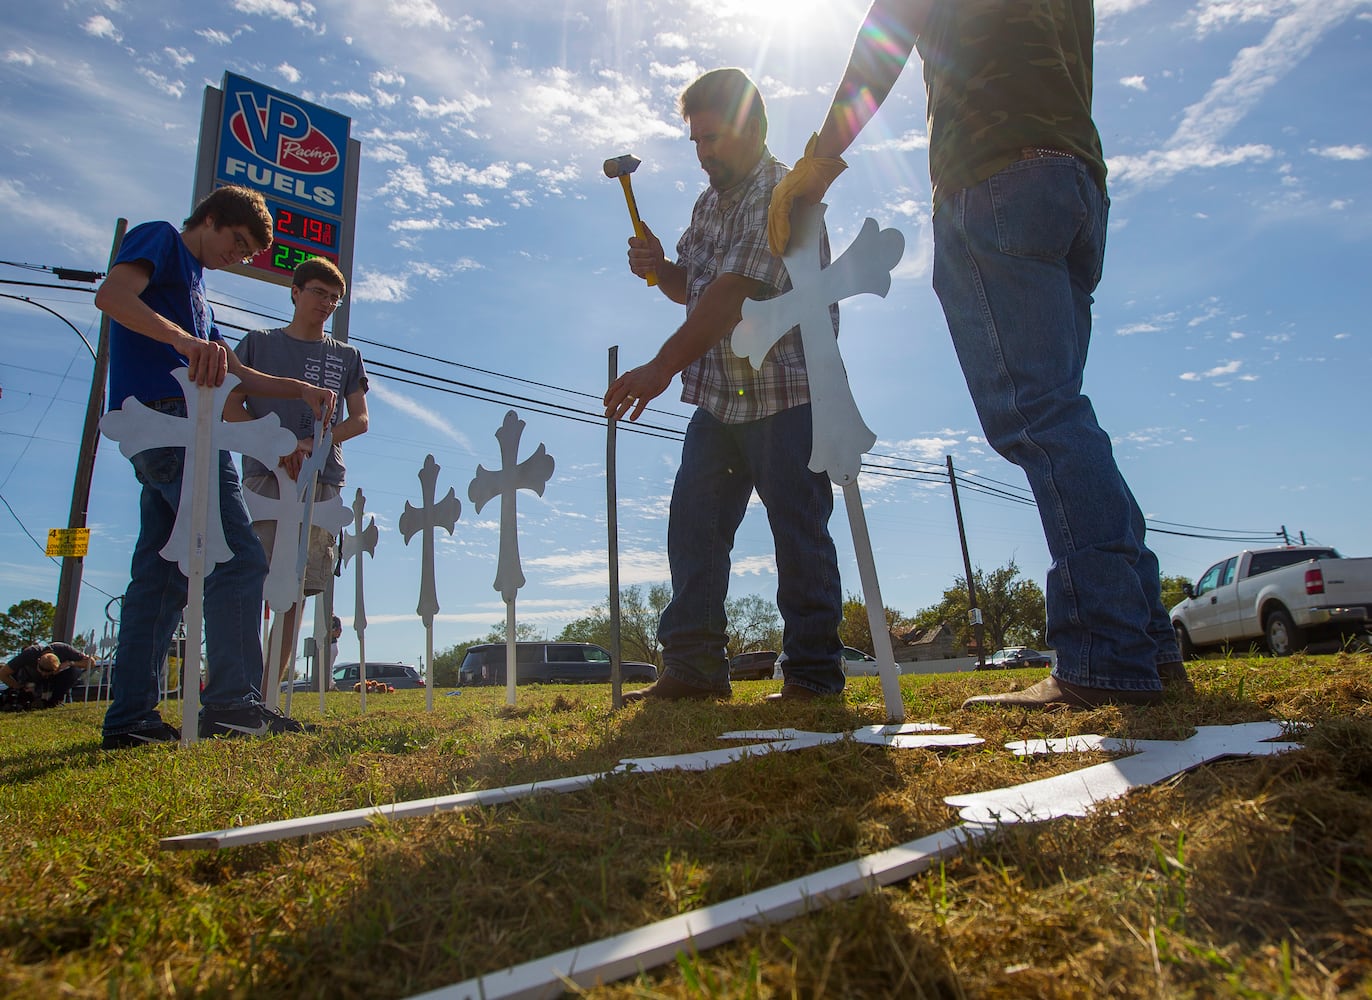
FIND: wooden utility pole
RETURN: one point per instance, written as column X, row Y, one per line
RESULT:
column 69, row 581
column 978, row 630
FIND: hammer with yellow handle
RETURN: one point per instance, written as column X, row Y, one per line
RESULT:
column 622, row 167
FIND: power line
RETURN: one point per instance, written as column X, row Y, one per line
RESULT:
column 975, row 483
column 43, row 548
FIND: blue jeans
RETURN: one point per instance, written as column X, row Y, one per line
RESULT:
column 721, row 464
column 157, row 594
column 1016, row 259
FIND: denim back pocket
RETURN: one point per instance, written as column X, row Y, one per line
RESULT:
column 158, row 466
column 1038, row 207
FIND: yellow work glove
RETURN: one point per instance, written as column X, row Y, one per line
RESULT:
column 808, row 180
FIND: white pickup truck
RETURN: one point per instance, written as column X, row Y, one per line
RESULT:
column 1284, row 597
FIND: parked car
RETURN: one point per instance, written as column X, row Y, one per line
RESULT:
column 549, row 663
column 1014, row 657
column 856, row 663
column 397, row 675
column 756, row 665
column 1283, row 597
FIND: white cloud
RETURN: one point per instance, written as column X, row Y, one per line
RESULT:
column 671, row 40
column 350, row 97
column 463, row 109
column 288, row 73
column 299, row 15
column 1129, row 329
column 930, row 448
column 906, row 143
column 387, row 78
column 102, row 27
column 1219, row 371
column 172, row 88
column 374, row 286
column 1196, row 144
column 496, row 175
column 1359, row 152
column 426, row 15
column 180, row 57
column 214, row 36
column 680, row 73
column 19, row 205
column 1134, row 82
column 405, row 404
column 384, row 152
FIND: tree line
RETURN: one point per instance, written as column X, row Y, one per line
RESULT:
column 1012, row 608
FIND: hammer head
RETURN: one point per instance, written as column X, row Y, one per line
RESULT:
column 619, row 166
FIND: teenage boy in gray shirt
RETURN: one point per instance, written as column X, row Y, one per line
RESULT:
column 303, row 350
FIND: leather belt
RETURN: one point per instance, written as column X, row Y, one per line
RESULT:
column 1036, row 152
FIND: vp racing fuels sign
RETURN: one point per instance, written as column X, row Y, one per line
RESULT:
column 299, row 156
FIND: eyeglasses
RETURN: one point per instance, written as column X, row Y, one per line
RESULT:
column 243, row 248
column 332, row 298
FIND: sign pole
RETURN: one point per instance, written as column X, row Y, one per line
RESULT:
column 69, row 581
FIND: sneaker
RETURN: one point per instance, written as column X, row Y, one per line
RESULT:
column 250, row 720
column 160, row 733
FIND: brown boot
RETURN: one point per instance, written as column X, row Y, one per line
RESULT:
column 1173, row 677
column 1054, row 693
column 794, row 692
column 668, row 688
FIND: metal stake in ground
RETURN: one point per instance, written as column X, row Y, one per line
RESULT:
column 840, row 434
column 361, row 541
column 423, row 520
column 531, row 474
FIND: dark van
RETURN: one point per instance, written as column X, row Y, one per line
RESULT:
column 548, row 663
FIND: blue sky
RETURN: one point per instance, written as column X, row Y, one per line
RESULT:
column 1231, row 338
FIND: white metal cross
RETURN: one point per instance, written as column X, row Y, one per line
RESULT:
column 840, row 435
column 361, row 542
column 423, row 520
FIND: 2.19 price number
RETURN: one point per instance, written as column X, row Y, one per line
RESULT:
column 306, row 227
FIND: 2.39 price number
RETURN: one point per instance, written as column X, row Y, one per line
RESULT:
column 287, row 258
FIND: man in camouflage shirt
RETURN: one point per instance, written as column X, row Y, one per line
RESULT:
column 1019, row 214
column 751, row 429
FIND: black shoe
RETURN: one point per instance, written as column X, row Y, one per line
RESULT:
column 671, row 689
column 160, row 733
column 250, row 720
column 1053, row 693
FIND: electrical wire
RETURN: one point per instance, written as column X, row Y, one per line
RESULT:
column 44, row 549
column 972, row 482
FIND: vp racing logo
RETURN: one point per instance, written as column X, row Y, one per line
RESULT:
column 288, row 151
column 282, row 135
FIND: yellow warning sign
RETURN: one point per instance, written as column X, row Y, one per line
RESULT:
column 68, row 541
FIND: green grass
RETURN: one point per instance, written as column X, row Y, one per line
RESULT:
column 1244, row 878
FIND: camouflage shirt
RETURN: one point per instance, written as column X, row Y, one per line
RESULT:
column 1003, row 76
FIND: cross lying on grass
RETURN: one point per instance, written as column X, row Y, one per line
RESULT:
column 1070, row 794
column 1064, row 795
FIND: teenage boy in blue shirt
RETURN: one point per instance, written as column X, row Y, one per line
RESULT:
column 160, row 319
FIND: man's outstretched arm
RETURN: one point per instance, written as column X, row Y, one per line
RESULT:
column 883, row 47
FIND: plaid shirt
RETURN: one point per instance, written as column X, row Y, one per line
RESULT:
column 728, row 234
